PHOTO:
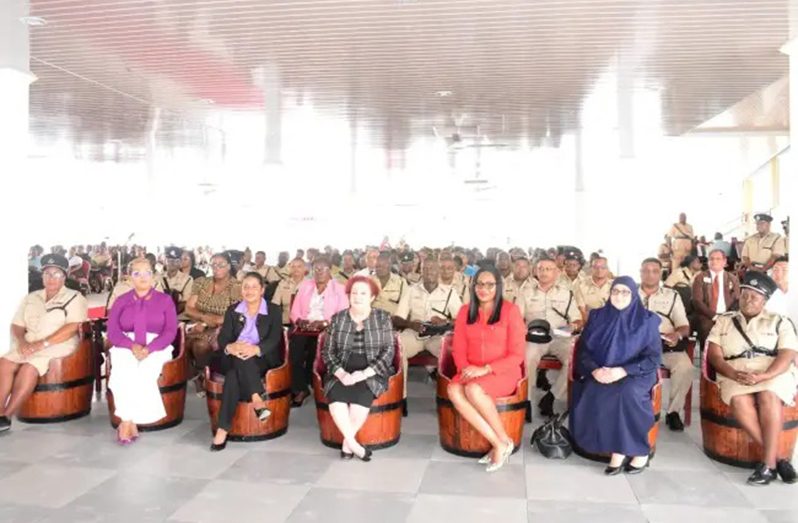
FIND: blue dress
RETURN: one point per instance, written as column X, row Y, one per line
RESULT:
column 616, row 417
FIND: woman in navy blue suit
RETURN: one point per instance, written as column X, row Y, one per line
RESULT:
column 616, row 366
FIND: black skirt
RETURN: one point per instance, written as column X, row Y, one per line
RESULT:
column 359, row 393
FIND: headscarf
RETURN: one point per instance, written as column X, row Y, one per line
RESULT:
column 613, row 337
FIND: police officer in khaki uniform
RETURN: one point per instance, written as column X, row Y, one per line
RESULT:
column 761, row 250
column 549, row 300
column 674, row 329
column 286, row 289
column 391, row 285
column 594, row 291
column 269, row 273
column 425, row 302
column 753, row 352
column 407, row 267
column 519, row 280
column 572, row 270
column 685, row 274
column 681, row 236
column 505, row 264
column 175, row 282
column 282, row 267
column 449, row 277
column 347, row 269
column 44, row 327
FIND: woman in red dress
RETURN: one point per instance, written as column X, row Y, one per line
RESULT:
column 488, row 351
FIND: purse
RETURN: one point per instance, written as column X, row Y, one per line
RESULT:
column 553, row 439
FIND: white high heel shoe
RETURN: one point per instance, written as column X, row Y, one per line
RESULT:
column 503, row 460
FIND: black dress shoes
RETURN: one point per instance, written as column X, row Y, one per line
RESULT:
column 346, row 456
column 786, row 471
column 542, row 382
column 5, row 423
column 546, row 405
column 614, row 471
column 216, row 447
column 762, row 475
column 674, row 422
column 631, row 469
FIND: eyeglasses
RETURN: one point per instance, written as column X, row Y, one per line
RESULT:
column 220, row 265
column 620, row 292
column 485, row 285
column 54, row 275
column 141, row 274
column 321, row 270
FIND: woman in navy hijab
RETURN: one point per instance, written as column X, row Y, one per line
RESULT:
column 616, row 367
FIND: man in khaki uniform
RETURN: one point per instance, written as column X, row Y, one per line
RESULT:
column 282, row 265
column 549, row 300
column 517, row 283
column 674, row 329
column 391, row 285
column 681, row 235
column 504, row 264
column 572, row 270
column 347, row 269
column 752, row 352
column 175, row 282
column 407, row 267
column 270, row 274
column 451, row 278
column 691, row 266
column 594, row 291
column 761, row 250
column 425, row 302
column 370, row 261
column 286, row 289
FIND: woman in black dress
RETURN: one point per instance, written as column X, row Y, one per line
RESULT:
column 358, row 353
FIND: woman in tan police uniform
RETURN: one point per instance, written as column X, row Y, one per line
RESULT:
column 752, row 351
column 44, row 327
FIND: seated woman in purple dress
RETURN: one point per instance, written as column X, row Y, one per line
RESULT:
column 141, row 329
column 616, row 366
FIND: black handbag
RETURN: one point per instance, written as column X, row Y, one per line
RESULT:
column 552, row 439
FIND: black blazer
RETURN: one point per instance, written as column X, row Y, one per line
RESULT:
column 270, row 330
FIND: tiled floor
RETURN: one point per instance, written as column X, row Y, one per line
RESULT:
column 75, row 472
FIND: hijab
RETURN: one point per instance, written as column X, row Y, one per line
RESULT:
column 613, row 337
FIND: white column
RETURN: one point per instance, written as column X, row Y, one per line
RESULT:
column 15, row 80
column 790, row 172
column 267, row 77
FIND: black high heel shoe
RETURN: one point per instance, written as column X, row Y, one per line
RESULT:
column 614, row 471
column 216, row 447
column 366, row 456
column 631, row 469
column 346, row 456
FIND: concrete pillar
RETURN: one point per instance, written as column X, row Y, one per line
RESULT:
column 15, row 80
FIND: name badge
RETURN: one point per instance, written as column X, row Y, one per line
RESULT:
column 707, row 280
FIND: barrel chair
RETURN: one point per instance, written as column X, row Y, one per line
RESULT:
column 382, row 428
column 65, row 392
column 724, row 440
column 172, row 384
column 656, row 406
column 246, row 425
column 456, row 435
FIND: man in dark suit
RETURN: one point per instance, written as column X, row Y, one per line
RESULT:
column 715, row 291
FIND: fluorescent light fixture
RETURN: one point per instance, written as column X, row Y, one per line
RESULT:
column 33, row 21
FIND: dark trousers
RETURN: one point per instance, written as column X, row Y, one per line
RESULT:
column 301, row 352
column 242, row 379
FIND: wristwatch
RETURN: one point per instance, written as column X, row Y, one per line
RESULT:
column 45, row 343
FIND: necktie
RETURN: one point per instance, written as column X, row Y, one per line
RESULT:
column 713, row 304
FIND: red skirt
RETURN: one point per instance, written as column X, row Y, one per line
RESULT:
column 495, row 385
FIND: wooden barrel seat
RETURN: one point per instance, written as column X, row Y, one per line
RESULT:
column 246, row 425
column 172, row 383
column 383, row 426
column 64, row 393
column 724, row 439
column 656, row 406
column 456, row 435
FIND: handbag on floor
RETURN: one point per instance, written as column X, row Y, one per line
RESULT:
column 552, row 439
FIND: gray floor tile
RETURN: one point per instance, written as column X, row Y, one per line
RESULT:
column 130, row 497
column 411, row 446
column 705, row 514
column 380, row 474
column 50, row 486
column 189, row 461
column 223, row 501
column 566, row 511
column 331, row 505
column 467, row 509
column 285, row 468
column 35, row 445
column 685, row 487
column 776, row 496
column 681, row 455
column 577, row 484
column 470, row 479
column 297, row 439
column 780, row 516
column 14, row 513
column 8, row 467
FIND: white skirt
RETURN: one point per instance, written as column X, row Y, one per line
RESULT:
column 135, row 384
